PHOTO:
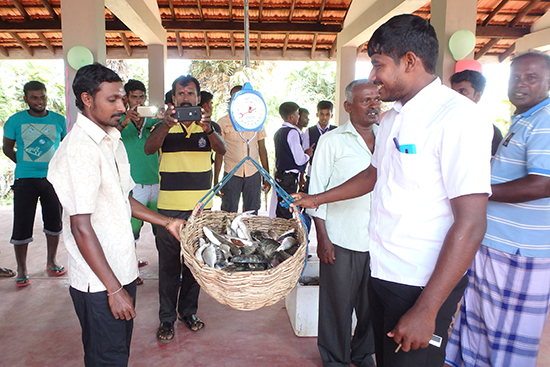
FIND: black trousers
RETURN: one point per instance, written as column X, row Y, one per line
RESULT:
column 178, row 289
column 343, row 289
column 389, row 301
column 250, row 188
column 289, row 183
column 106, row 340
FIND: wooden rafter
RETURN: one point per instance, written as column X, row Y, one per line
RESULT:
column 314, row 46
column 172, row 12
column 21, row 9
column 486, row 48
column 259, row 44
column 178, row 42
column 265, row 27
column 291, row 12
column 46, row 42
column 500, row 32
column 232, row 38
column 261, row 11
column 332, row 50
column 230, row 10
column 206, row 44
column 506, row 53
column 494, row 12
column 126, row 44
column 4, row 51
column 201, row 15
column 286, row 44
column 523, row 12
column 321, row 10
column 22, row 43
column 50, row 10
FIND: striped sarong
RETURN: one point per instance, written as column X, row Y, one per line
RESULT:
column 503, row 311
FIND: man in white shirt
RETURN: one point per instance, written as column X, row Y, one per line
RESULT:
column 431, row 178
column 91, row 176
column 342, row 232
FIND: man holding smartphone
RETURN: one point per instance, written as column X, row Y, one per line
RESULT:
column 134, row 130
column 185, row 147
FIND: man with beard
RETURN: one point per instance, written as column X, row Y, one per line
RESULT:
column 37, row 133
column 342, row 232
column 185, row 150
column 506, row 302
column 430, row 172
column 91, row 175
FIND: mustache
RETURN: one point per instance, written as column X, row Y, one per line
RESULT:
column 375, row 110
column 186, row 104
column 117, row 114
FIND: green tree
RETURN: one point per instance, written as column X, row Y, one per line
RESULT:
column 313, row 83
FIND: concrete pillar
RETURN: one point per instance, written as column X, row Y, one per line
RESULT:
column 345, row 74
column 447, row 17
column 82, row 24
column 157, row 65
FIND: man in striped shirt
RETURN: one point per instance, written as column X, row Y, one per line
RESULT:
column 185, row 150
column 506, row 301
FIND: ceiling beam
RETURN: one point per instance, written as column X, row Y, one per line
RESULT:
column 206, row 44
column 178, row 42
column 261, row 11
column 285, row 45
column 321, row 10
column 201, row 15
column 314, row 46
column 503, row 56
column 171, row 6
column 126, row 44
column 291, row 12
column 232, row 38
column 486, row 48
column 140, row 18
column 230, row 10
column 21, row 9
column 259, row 44
column 4, row 51
column 332, row 50
column 22, row 43
column 500, row 32
column 46, row 42
column 494, row 12
column 523, row 12
column 50, row 10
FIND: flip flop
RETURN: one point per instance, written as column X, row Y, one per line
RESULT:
column 6, row 273
column 142, row 263
column 139, row 281
column 22, row 282
column 165, row 332
column 193, row 323
column 57, row 272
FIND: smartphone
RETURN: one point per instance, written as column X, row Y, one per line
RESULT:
column 147, row 111
column 187, row 113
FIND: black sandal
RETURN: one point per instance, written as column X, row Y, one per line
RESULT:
column 192, row 322
column 165, row 332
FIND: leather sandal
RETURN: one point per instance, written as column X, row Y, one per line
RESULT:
column 192, row 322
column 165, row 332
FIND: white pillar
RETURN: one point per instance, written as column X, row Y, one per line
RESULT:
column 157, row 66
column 82, row 24
column 345, row 74
column 447, row 17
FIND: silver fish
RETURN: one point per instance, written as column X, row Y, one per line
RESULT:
column 201, row 248
column 239, row 227
column 287, row 243
column 209, row 255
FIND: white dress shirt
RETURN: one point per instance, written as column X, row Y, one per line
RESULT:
column 341, row 154
column 411, row 212
column 91, row 175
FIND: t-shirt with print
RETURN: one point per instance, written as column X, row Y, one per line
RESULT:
column 37, row 138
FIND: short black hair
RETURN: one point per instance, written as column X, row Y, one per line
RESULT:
column 302, row 110
column 33, row 85
column 325, row 105
column 235, row 89
column 476, row 79
column 406, row 33
column 133, row 85
column 88, row 79
column 168, row 97
column 206, row 97
column 544, row 57
column 183, row 80
column 288, row 108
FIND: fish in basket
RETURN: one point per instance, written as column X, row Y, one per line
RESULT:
column 244, row 261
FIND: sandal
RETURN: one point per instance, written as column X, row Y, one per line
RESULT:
column 165, row 332
column 139, row 281
column 57, row 272
column 142, row 263
column 6, row 273
column 192, row 322
column 22, row 282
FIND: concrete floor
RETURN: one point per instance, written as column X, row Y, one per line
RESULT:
column 39, row 327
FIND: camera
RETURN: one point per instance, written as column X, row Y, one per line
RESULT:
column 147, row 111
column 187, row 113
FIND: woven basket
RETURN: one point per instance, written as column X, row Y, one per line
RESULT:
column 246, row 290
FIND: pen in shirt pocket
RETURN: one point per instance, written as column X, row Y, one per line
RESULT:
column 405, row 148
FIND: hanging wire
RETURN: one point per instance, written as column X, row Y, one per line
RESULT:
column 246, row 35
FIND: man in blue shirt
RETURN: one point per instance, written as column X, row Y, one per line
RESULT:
column 37, row 133
column 506, row 301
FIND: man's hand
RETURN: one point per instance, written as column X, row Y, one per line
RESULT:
column 122, row 305
column 325, row 249
column 303, row 200
column 205, row 122
column 133, row 116
column 169, row 120
column 174, row 227
column 266, row 187
column 309, row 151
column 413, row 330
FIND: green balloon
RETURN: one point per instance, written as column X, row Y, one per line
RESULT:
column 79, row 56
column 461, row 44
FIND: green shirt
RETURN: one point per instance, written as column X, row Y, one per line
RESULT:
column 143, row 168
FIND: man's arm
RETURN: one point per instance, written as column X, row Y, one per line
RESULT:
column 325, row 248
column 156, row 138
column 9, row 149
column 141, row 212
column 120, row 302
column 218, row 160
column 416, row 327
column 216, row 141
column 358, row 185
column 528, row 188
column 262, row 151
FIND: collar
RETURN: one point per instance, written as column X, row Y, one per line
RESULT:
column 350, row 129
column 95, row 132
column 321, row 130
column 423, row 97
column 533, row 109
column 288, row 124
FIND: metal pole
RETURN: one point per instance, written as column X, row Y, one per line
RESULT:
column 246, row 35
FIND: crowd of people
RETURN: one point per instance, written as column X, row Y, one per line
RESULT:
column 417, row 211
